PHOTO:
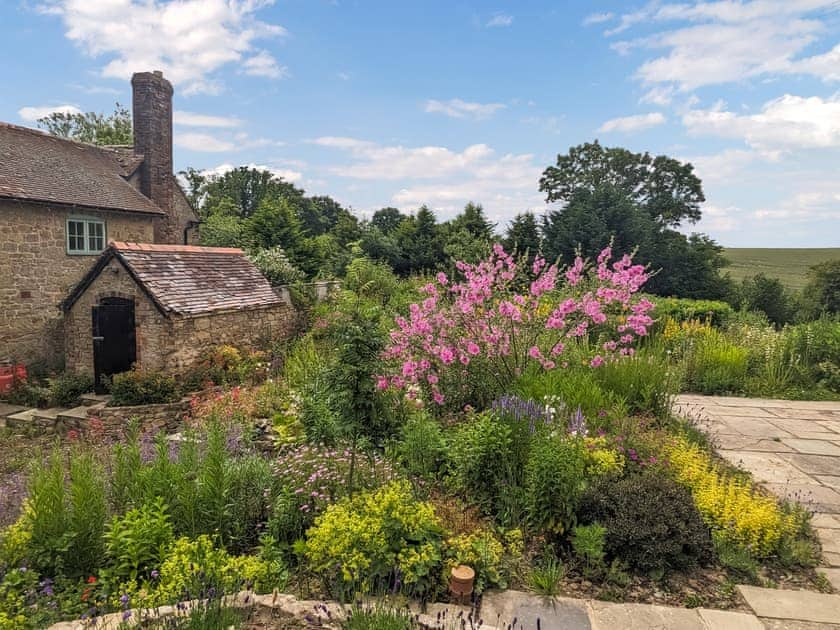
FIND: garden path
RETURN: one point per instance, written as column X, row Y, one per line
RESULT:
column 791, row 447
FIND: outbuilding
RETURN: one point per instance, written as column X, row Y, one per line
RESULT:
column 161, row 307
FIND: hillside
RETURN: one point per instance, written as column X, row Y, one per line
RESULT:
column 789, row 265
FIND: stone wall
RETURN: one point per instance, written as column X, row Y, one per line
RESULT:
column 113, row 421
column 248, row 329
column 152, row 328
column 36, row 274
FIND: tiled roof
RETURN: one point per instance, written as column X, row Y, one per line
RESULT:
column 38, row 167
column 189, row 280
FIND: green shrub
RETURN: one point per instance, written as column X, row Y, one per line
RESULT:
column 589, row 542
column 480, row 451
column 422, row 449
column 276, row 267
column 310, row 478
column 651, row 522
column 136, row 542
column 137, row 387
column 716, row 365
column 576, row 388
column 362, row 544
column 67, row 389
column 482, row 551
column 554, row 480
column 645, row 382
column 685, row 309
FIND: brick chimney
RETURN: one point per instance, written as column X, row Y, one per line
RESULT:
column 152, row 115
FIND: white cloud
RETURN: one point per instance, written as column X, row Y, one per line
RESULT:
column 203, row 142
column 805, row 206
column 658, row 95
column 499, row 19
column 190, row 40
column 287, row 174
column 788, row 122
column 456, row 108
column 721, row 219
column 190, row 119
column 598, row 18
column 32, row 114
column 629, row 124
column 264, row 65
column 726, row 41
column 446, row 178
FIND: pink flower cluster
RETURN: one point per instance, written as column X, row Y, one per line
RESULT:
column 488, row 320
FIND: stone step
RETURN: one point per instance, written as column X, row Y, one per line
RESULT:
column 23, row 421
column 772, row 603
column 89, row 400
column 8, row 410
column 47, row 415
column 74, row 414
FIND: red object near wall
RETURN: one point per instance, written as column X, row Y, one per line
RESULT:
column 9, row 374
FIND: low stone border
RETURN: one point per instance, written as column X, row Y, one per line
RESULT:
column 498, row 609
column 157, row 417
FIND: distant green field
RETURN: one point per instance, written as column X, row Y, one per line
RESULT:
column 788, row 265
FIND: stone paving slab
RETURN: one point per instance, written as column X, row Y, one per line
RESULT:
column 813, row 447
column 787, row 624
column 500, row 608
column 766, row 467
column 726, row 620
column 609, row 616
column 796, row 605
column 833, row 575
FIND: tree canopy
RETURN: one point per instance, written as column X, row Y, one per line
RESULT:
column 91, row 127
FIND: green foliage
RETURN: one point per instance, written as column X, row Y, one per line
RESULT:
column 588, row 543
column 523, row 236
column 67, row 388
column 480, row 451
column 715, row 365
column 370, row 279
column 361, row 544
column 136, row 542
column 483, row 552
column 378, row 617
column 91, row 127
column 546, row 578
column 644, row 382
column 769, row 296
column 138, row 387
column 651, row 522
column 554, row 482
column 822, row 292
column 422, row 448
column 714, row 312
column 276, row 267
column 575, row 388
column 67, row 519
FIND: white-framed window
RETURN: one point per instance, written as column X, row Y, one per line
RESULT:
column 85, row 235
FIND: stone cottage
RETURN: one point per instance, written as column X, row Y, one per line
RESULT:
column 160, row 307
column 61, row 202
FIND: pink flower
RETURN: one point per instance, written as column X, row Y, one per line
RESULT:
column 442, row 279
column 597, row 361
column 382, row 382
column 473, row 348
column 534, row 352
column 432, row 378
column 437, row 397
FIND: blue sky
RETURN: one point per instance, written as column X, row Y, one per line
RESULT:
column 404, row 103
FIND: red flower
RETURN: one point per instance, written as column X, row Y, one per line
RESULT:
column 91, row 580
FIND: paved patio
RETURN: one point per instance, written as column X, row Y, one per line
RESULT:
column 791, row 447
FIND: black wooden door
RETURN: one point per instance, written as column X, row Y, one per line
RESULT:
column 114, row 343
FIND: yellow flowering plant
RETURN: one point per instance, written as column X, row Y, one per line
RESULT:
column 730, row 504
column 380, row 538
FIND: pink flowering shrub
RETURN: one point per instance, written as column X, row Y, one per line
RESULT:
column 503, row 317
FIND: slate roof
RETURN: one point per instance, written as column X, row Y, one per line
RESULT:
column 42, row 168
column 188, row 280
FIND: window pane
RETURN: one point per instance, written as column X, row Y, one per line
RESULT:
column 96, row 236
column 75, row 236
